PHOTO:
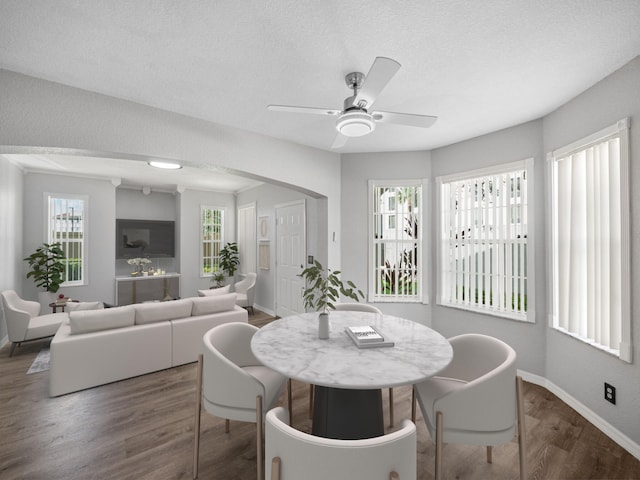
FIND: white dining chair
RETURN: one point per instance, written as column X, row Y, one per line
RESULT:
column 24, row 322
column 364, row 307
column 476, row 400
column 294, row 455
column 233, row 384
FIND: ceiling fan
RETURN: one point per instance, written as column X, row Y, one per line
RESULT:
column 355, row 119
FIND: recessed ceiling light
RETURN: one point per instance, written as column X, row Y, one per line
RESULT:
column 165, row 165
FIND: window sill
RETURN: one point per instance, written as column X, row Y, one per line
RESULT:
column 588, row 341
column 525, row 318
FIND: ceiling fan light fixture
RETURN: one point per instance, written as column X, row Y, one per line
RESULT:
column 355, row 124
column 165, row 165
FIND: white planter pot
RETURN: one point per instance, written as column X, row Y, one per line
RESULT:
column 323, row 326
column 45, row 298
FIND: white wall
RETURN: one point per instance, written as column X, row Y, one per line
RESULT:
column 100, row 232
column 38, row 113
column 574, row 369
column 12, row 268
column 267, row 197
column 516, row 143
column 579, row 369
column 133, row 204
column 357, row 170
column 189, row 235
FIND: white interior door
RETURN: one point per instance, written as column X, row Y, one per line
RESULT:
column 290, row 258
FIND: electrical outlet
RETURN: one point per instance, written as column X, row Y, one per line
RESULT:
column 609, row 393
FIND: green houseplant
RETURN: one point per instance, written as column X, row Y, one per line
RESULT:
column 323, row 289
column 47, row 267
column 218, row 277
column 229, row 259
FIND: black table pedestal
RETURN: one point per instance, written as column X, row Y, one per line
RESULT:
column 347, row 414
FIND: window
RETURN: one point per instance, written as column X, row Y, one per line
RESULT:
column 66, row 221
column 485, row 259
column 589, row 240
column 212, row 239
column 395, row 241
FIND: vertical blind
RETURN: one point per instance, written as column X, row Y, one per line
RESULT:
column 588, row 236
column 483, row 252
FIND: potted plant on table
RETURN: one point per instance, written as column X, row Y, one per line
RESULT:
column 324, row 288
column 218, row 277
column 47, row 269
column 229, row 259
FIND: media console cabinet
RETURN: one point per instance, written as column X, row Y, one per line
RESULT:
column 145, row 289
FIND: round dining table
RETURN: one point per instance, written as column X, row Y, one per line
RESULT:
column 347, row 379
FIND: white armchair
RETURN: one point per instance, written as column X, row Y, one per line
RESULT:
column 245, row 291
column 293, row 455
column 476, row 400
column 24, row 322
column 233, row 384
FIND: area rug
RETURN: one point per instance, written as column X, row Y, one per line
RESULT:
column 41, row 363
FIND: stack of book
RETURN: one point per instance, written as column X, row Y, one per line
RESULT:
column 367, row 337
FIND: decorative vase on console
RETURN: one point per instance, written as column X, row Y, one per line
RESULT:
column 139, row 263
column 324, row 288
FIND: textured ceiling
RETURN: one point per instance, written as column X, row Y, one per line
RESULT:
column 479, row 66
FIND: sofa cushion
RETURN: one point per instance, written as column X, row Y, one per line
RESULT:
column 162, row 311
column 85, row 321
column 214, row 291
column 213, row 304
column 77, row 306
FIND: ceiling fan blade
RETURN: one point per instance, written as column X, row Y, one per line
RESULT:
column 339, row 141
column 294, row 109
column 411, row 119
column 380, row 73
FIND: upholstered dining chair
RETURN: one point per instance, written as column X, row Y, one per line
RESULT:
column 24, row 322
column 233, row 384
column 476, row 400
column 245, row 290
column 364, row 307
column 293, row 455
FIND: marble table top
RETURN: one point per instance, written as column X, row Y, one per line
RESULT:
column 291, row 346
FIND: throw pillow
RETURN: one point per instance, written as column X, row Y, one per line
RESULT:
column 162, row 311
column 86, row 321
column 214, row 291
column 78, row 306
column 213, row 304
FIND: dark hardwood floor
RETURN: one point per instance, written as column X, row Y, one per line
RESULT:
column 142, row 428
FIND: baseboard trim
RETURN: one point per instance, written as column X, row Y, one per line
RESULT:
column 266, row 310
column 601, row 424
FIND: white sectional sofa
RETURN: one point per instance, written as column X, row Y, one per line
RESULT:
column 95, row 347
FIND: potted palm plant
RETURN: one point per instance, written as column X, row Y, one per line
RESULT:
column 47, row 268
column 324, row 288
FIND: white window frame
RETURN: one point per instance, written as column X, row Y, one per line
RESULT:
column 422, row 275
column 201, row 256
column 50, row 229
column 620, row 130
column 500, row 308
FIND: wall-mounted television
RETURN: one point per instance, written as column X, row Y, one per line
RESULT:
column 145, row 238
